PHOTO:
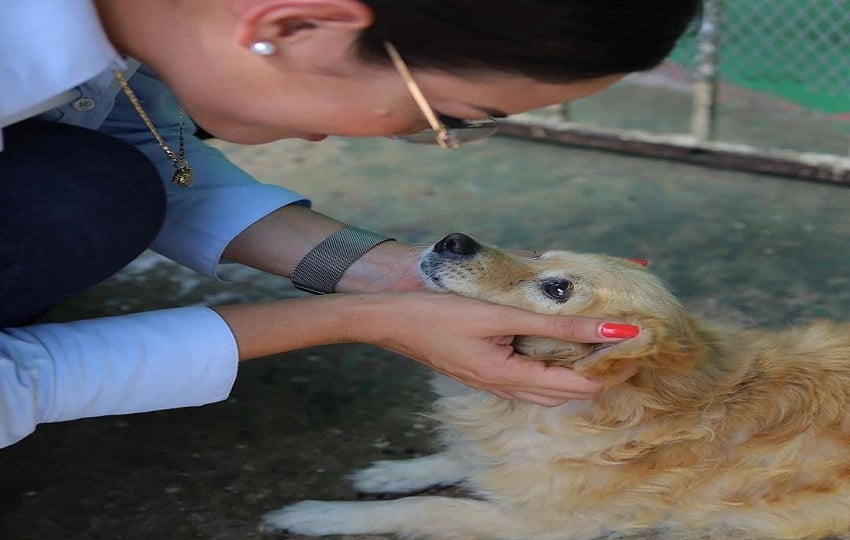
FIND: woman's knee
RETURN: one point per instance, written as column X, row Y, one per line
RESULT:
column 78, row 205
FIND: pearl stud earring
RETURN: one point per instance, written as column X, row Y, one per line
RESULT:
column 263, row 48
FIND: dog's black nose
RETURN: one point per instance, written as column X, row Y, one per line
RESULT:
column 457, row 244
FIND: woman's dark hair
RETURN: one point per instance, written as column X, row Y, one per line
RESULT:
column 548, row 40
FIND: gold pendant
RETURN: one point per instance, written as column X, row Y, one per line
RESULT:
column 183, row 176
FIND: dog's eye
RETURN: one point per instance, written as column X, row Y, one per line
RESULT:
column 558, row 289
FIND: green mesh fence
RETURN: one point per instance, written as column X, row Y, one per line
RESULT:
column 796, row 49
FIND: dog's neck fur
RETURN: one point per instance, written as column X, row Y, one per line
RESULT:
column 687, row 375
column 682, row 363
column 713, row 386
column 685, row 365
column 727, row 372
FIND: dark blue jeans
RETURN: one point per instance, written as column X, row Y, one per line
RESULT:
column 75, row 207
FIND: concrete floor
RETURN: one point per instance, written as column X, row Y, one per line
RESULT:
column 751, row 249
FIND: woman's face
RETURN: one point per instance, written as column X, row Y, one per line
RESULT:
column 364, row 101
column 314, row 84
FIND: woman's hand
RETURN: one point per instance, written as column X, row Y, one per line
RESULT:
column 470, row 340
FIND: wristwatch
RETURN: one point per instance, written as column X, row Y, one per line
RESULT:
column 322, row 268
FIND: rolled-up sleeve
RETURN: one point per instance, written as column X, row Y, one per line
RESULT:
column 117, row 365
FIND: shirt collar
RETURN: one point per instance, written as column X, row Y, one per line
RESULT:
column 48, row 47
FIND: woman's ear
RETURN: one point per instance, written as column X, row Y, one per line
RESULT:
column 279, row 22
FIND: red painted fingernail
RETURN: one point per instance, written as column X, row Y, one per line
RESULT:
column 642, row 262
column 618, row 330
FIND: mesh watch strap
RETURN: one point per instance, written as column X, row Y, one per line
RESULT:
column 321, row 269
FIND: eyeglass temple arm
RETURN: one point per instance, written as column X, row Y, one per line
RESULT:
column 415, row 92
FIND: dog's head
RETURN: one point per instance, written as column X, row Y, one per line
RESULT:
column 567, row 283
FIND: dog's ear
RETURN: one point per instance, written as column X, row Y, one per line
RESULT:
column 668, row 346
column 665, row 346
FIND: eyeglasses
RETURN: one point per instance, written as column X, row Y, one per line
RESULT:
column 446, row 131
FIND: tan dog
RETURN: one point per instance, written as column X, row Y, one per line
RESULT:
column 722, row 433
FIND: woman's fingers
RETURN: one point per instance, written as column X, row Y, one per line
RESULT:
column 470, row 340
column 570, row 328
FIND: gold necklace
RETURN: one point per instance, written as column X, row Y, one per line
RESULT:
column 183, row 174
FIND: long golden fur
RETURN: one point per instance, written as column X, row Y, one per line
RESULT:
column 722, row 433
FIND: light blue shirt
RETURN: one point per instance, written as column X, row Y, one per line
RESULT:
column 56, row 63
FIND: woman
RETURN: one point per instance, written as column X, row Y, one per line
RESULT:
column 91, row 122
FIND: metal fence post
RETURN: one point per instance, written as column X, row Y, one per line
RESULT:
column 703, row 114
